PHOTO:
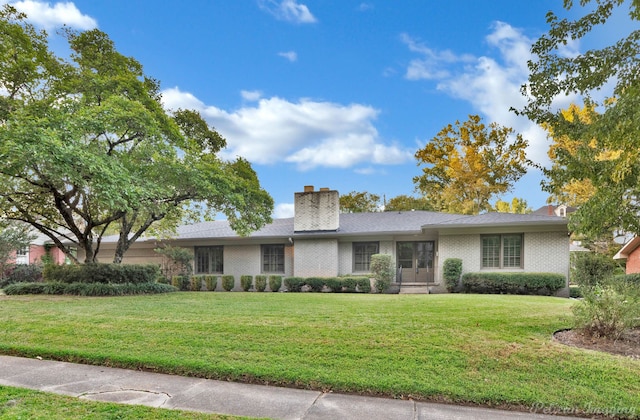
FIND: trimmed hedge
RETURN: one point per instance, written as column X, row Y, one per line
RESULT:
column 261, row 283
column 451, row 271
column 102, row 273
column 228, row 282
column 246, row 282
column 544, row 284
column 87, row 289
column 355, row 284
column 275, row 282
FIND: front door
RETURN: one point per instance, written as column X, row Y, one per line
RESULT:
column 415, row 261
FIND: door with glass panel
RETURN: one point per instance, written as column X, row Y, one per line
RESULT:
column 415, row 261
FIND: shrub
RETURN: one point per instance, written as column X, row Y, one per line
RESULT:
column 211, row 281
column 451, row 272
column 607, row 310
column 228, row 282
column 294, row 284
column 513, row 283
column 275, row 282
column 246, row 282
column 261, row 283
column 334, row 284
column 24, row 288
column 315, row 283
column 575, row 291
column 102, row 273
column 181, row 283
column 382, row 271
column 195, row 283
column 31, row 273
column 363, row 284
column 176, row 261
column 349, row 284
column 590, row 268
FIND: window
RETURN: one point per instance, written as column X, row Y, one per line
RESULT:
column 209, row 259
column 362, row 252
column 273, row 258
column 502, row 251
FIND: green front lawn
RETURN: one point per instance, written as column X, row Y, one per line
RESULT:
column 17, row 403
column 482, row 349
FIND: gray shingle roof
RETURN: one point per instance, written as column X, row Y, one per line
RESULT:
column 410, row 222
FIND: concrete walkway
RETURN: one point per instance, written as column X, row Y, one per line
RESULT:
column 209, row 396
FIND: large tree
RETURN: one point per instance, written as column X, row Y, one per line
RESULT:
column 87, row 148
column 359, row 202
column 467, row 164
column 407, row 203
column 601, row 141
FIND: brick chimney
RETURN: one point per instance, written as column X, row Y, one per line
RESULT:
column 316, row 210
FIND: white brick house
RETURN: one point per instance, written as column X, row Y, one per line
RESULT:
column 320, row 241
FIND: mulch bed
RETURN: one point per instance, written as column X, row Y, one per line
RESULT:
column 627, row 345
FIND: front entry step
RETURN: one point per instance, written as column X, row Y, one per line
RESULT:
column 419, row 288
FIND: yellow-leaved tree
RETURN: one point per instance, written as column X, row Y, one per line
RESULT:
column 467, row 164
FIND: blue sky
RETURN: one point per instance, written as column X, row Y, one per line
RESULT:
column 330, row 93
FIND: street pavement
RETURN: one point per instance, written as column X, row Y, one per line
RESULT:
column 210, row 396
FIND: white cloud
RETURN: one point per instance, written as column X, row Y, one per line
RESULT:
column 251, row 95
column 307, row 133
column 283, row 211
column 490, row 84
column 45, row 15
column 289, row 55
column 288, row 10
column 432, row 64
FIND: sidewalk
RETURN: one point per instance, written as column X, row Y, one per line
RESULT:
column 209, row 396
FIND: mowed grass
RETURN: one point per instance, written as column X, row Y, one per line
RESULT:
column 480, row 349
column 17, row 403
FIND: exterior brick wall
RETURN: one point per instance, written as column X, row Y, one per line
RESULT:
column 316, row 211
column 633, row 262
column 316, row 257
column 546, row 252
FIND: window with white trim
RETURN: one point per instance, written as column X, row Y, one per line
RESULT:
column 362, row 252
column 502, row 251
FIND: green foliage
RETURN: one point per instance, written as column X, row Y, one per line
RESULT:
column 590, row 268
column 294, row 284
column 181, row 283
column 408, row 203
column 316, row 284
column 608, row 310
column 31, row 273
column 87, row 289
column 13, row 236
column 261, row 283
column 275, row 282
column 87, row 147
column 451, row 272
column 359, row 202
column 513, row 283
column 333, row 284
column 595, row 148
column 382, row 271
column 228, row 282
column 467, row 164
column 102, row 273
column 176, row 261
column 246, row 282
column 575, row 291
column 195, row 282
column 211, row 282
column 363, row 285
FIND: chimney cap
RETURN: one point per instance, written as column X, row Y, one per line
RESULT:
column 308, row 188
